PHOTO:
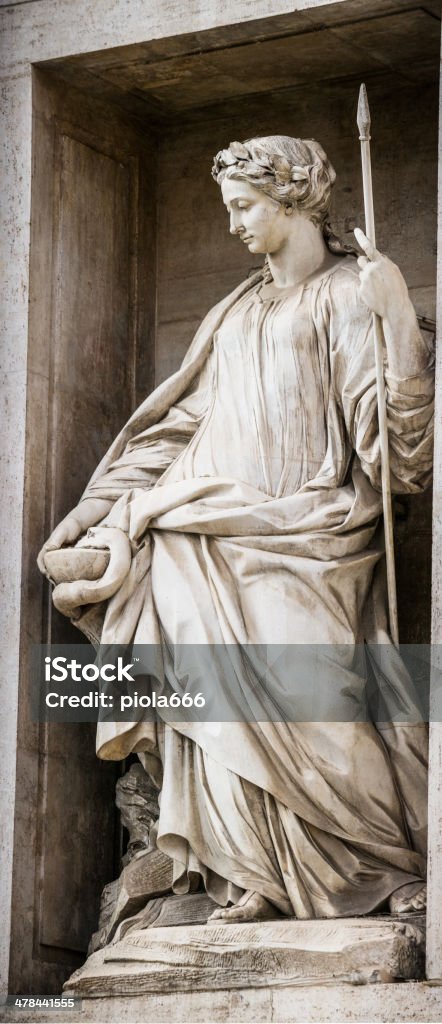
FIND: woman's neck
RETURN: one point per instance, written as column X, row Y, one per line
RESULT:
column 303, row 253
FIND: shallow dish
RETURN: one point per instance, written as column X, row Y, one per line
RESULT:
column 68, row 564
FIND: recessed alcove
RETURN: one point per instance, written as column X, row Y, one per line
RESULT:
column 130, row 248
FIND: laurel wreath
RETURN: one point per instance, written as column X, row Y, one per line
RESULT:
column 256, row 163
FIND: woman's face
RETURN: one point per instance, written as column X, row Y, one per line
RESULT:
column 261, row 223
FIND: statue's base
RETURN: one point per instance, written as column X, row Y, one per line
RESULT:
column 266, row 955
column 293, row 1004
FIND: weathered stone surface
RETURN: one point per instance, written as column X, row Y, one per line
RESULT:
column 137, row 802
column 147, row 875
column 298, row 1004
column 109, row 898
column 167, row 911
column 146, row 871
column 229, row 956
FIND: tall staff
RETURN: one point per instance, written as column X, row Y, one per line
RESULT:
column 364, row 122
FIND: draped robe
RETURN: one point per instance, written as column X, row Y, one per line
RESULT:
column 249, row 487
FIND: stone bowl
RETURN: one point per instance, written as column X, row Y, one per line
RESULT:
column 66, row 565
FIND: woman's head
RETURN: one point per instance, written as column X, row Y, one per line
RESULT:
column 293, row 172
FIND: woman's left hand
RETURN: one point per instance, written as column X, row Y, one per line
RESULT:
column 382, row 286
column 384, row 291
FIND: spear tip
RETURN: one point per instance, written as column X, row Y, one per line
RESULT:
column 363, row 117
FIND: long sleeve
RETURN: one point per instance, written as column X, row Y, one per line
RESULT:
column 173, row 393
column 150, row 453
column 410, row 401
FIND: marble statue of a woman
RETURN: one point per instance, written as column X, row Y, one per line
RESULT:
column 248, row 486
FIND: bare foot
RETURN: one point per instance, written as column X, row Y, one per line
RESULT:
column 251, row 907
column 403, row 902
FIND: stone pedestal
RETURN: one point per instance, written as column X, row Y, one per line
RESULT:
column 291, row 971
column 289, row 953
column 316, row 1004
column 293, row 1005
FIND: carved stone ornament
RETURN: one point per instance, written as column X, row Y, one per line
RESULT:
column 217, row 956
column 147, row 873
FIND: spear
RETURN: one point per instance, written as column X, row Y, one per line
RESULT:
column 364, row 122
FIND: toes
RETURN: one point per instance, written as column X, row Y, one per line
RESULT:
column 226, row 914
column 403, row 904
column 409, row 906
column 232, row 914
column 249, row 908
column 235, row 914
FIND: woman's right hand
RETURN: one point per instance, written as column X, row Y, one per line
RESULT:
column 67, row 532
column 89, row 512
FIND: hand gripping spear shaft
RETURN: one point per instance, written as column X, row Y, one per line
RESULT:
column 363, row 120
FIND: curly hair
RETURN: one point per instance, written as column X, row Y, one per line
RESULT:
column 294, row 172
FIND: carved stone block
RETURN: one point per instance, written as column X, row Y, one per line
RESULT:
column 137, row 800
column 234, row 956
column 147, row 875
